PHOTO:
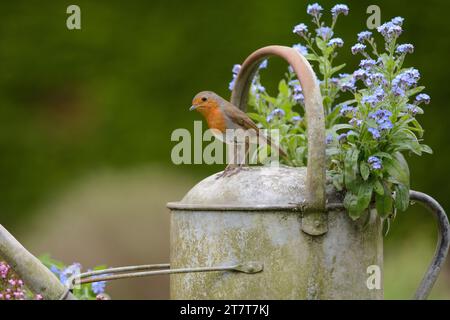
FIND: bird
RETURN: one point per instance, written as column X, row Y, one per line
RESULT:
column 221, row 115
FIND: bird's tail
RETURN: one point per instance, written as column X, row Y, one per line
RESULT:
column 273, row 145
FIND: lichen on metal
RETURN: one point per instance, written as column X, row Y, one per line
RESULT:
column 296, row 265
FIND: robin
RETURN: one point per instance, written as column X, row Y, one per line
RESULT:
column 221, row 115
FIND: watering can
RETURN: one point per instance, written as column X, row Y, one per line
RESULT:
column 286, row 225
column 265, row 233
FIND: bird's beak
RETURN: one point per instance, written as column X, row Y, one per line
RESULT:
column 192, row 108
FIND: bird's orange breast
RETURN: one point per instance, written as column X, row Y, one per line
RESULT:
column 215, row 119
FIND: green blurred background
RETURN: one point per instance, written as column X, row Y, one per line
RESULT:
column 86, row 118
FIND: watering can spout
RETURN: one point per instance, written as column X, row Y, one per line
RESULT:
column 36, row 276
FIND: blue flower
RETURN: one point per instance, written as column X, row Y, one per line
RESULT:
column 276, row 113
column 355, row 122
column 412, row 109
column 329, row 139
column 334, row 81
column 367, row 63
column 381, row 115
column 347, row 110
column 364, row 35
column 257, row 88
column 423, row 97
column 231, row 84
column 370, row 99
column 374, row 162
column 390, row 31
column 71, row 270
column 299, row 97
column 296, row 119
column 339, row 9
column 338, row 42
column 406, row 79
column 360, row 74
column 375, row 133
column 55, row 270
column 342, row 138
column 300, row 29
column 348, row 85
column 263, row 64
column 98, row 287
column 301, row 49
column 324, row 32
column 405, row 48
column 297, row 91
column 314, row 10
column 379, row 93
column 397, row 91
column 236, row 69
column 398, row 21
column 376, row 78
column 357, row 48
column 386, row 125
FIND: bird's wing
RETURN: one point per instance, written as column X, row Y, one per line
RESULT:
column 239, row 117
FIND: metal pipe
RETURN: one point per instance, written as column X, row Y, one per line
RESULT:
column 115, row 273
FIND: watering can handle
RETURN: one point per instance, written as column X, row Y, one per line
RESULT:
column 315, row 220
column 442, row 246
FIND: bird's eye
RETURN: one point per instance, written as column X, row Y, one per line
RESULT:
column 204, row 99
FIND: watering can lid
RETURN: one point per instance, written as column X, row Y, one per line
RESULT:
column 252, row 188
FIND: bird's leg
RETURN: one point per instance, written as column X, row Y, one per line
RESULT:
column 235, row 166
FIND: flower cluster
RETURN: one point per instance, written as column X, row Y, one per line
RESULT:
column 370, row 113
column 94, row 290
column 13, row 288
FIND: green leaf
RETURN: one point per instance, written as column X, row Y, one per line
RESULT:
column 401, row 197
column 257, row 118
column 365, row 170
column 337, row 68
column 384, row 203
column 338, row 181
column 414, row 91
column 397, row 168
column 364, row 196
column 321, row 44
column 426, row 149
column 283, row 88
column 350, row 203
column 342, row 126
column 382, row 155
column 378, row 187
column 351, row 169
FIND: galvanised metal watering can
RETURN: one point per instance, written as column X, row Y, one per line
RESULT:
column 266, row 233
column 287, row 224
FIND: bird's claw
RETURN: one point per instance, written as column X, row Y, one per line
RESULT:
column 229, row 171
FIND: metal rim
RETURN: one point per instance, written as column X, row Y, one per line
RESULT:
column 301, row 207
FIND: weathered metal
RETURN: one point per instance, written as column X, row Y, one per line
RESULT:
column 296, row 265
